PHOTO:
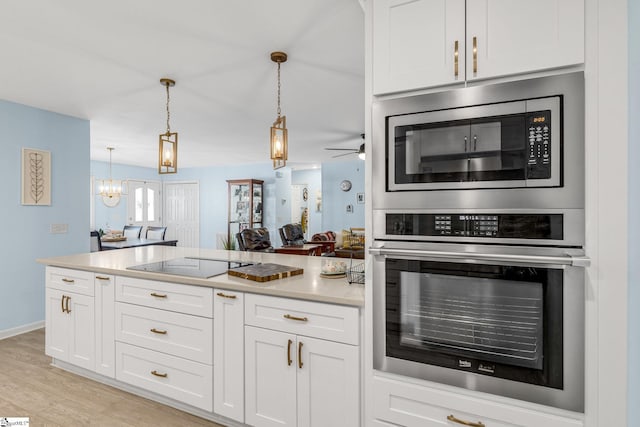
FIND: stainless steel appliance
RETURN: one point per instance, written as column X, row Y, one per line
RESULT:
column 478, row 260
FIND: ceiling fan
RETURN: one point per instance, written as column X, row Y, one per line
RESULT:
column 359, row 151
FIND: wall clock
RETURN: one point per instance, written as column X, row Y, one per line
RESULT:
column 345, row 185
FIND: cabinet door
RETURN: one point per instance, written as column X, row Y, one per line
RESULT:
column 56, row 332
column 270, row 372
column 82, row 331
column 519, row 36
column 414, row 44
column 328, row 383
column 104, row 317
column 228, row 365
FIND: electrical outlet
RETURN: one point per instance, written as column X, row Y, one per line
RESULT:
column 58, row 228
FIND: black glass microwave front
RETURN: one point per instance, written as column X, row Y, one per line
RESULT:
column 493, row 320
column 505, row 145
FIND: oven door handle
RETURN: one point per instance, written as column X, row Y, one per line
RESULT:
column 566, row 260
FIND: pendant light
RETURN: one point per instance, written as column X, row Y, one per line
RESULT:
column 110, row 190
column 279, row 138
column 168, row 150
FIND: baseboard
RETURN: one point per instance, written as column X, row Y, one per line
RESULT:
column 7, row 333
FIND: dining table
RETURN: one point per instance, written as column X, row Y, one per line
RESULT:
column 135, row 242
column 306, row 249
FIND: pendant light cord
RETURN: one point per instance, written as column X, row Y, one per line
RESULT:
column 168, row 114
column 278, row 89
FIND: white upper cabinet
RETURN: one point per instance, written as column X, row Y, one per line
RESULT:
column 427, row 43
column 414, row 44
column 519, row 36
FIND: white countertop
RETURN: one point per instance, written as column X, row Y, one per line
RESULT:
column 308, row 286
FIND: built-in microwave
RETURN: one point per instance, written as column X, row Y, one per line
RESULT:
column 520, row 143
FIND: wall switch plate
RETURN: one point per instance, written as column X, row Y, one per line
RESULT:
column 58, row 228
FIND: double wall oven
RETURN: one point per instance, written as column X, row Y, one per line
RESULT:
column 478, row 226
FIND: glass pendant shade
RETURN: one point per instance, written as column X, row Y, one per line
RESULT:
column 168, row 153
column 279, row 142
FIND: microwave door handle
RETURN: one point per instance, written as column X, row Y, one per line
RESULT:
column 465, row 144
column 561, row 261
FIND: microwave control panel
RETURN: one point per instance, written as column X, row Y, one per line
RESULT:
column 517, row 226
column 539, row 145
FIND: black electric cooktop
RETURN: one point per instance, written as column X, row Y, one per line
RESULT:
column 193, row 267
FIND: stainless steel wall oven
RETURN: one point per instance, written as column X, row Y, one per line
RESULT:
column 478, row 226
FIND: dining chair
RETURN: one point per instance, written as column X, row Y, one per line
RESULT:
column 292, row 235
column 132, row 231
column 156, row 233
column 96, row 243
column 255, row 239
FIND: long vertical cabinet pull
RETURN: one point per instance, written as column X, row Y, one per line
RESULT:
column 289, row 361
column 300, row 355
column 475, row 55
column 455, row 59
column 67, row 305
column 62, row 303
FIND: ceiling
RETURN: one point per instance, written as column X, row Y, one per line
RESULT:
column 102, row 61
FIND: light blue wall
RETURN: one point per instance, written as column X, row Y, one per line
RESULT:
column 312, row 179
column 634, row 215
column 25, row 229
column 335, row 201
column 115, row 218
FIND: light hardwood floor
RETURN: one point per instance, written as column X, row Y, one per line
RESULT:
column 31, row 387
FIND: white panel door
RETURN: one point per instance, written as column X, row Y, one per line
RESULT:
column 57, row 331
column 328, row 383
column 228, row 365
column 182, row 213
column 414, row 44
column 519, row 36
column 270, row 378
column 82, row 347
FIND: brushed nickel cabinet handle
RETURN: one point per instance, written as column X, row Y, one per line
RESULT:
column 220, row 294
column 465, row 423
column 67, row 305
column 102, row 278
column 158, row 374
column 158, row 331
column 475, row 55
column 68, row 280
column 455, row 59
column 300, row 355
column 153, row 294
column 299, row 319
column 289, row 361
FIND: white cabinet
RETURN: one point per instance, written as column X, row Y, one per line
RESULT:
column 413, row 405
column 161, row 345
column 104, row 318
column 305, row 373
column 69, row 334
column 228, row 363
column 427, row 43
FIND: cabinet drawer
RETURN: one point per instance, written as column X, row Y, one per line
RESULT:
column 196, row 300
column 177, row 334
column 313, row 319
column 68, row 280
column 413, row 405
column 173, row 377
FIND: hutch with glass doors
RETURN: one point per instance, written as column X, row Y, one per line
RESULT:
column 245, row 206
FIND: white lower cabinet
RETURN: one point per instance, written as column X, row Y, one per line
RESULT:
column 70, row 317
column 161, row 345
column 293, row 379
column 228, row 360
column 105, row 328
column 410, row 405
column 69, row 334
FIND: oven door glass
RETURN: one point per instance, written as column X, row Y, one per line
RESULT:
column 502, row 321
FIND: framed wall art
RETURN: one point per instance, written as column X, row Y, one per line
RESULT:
column 36, row 177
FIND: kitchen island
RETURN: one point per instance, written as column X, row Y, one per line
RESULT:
column 229, row 349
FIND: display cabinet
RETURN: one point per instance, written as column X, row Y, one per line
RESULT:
column 245, row 206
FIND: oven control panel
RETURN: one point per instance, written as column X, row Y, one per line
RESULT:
column 485, row 225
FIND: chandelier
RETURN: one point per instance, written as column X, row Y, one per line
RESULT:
column 168, row 150
column 278, row 143
column 109, row 189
